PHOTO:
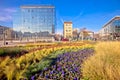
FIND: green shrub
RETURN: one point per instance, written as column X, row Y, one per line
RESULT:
column 1, row 52
column 11, row 51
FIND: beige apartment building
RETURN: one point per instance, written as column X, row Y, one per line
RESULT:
column 67, row 30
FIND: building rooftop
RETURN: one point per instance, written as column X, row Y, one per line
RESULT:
column 114, row 18
column 67, row 22
column 37, row 6
column 4, row 26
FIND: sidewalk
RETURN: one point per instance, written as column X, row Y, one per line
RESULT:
column 10, row 44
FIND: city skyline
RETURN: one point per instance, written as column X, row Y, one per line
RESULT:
column 89, row 14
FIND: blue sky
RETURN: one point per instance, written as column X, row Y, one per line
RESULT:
column 91, row 14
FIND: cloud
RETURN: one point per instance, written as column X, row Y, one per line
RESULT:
column 6, row 14
column 10, row 10
column 5, row 18
column 61, row 20
column 76, row 18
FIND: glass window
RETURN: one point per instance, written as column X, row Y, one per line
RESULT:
column 28, row 10
column 32, row 17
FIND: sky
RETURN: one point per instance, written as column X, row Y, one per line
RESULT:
column 90, row 14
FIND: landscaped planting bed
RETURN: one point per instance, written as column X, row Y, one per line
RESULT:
column 19, row 50
column 65, row 66
column 61, row 61
column 105, row 64
column 12, row 52
column 37, row 59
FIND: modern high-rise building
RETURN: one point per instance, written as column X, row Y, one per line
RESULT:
column 35, row 21
column 67, row 30
column 111, row 30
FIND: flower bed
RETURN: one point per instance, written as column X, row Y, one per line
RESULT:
column 28, row 64
column 66, row 66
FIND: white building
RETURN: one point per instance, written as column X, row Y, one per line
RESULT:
column 111, row 30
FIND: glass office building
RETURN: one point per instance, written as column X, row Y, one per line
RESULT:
column 34, row 21
column 111, row 29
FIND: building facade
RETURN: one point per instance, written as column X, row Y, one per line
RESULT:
column 86, row 34
column 75, row 34
column 35, row 21
column 6, row 32
column 67, row 30
column 111, row 30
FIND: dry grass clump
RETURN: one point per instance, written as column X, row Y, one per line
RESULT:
column 105, row 64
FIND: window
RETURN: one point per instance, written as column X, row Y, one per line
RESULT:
column 24, row 21
column 28, row 10
column 28, row 27
column 32, row 17
column 32, row 10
